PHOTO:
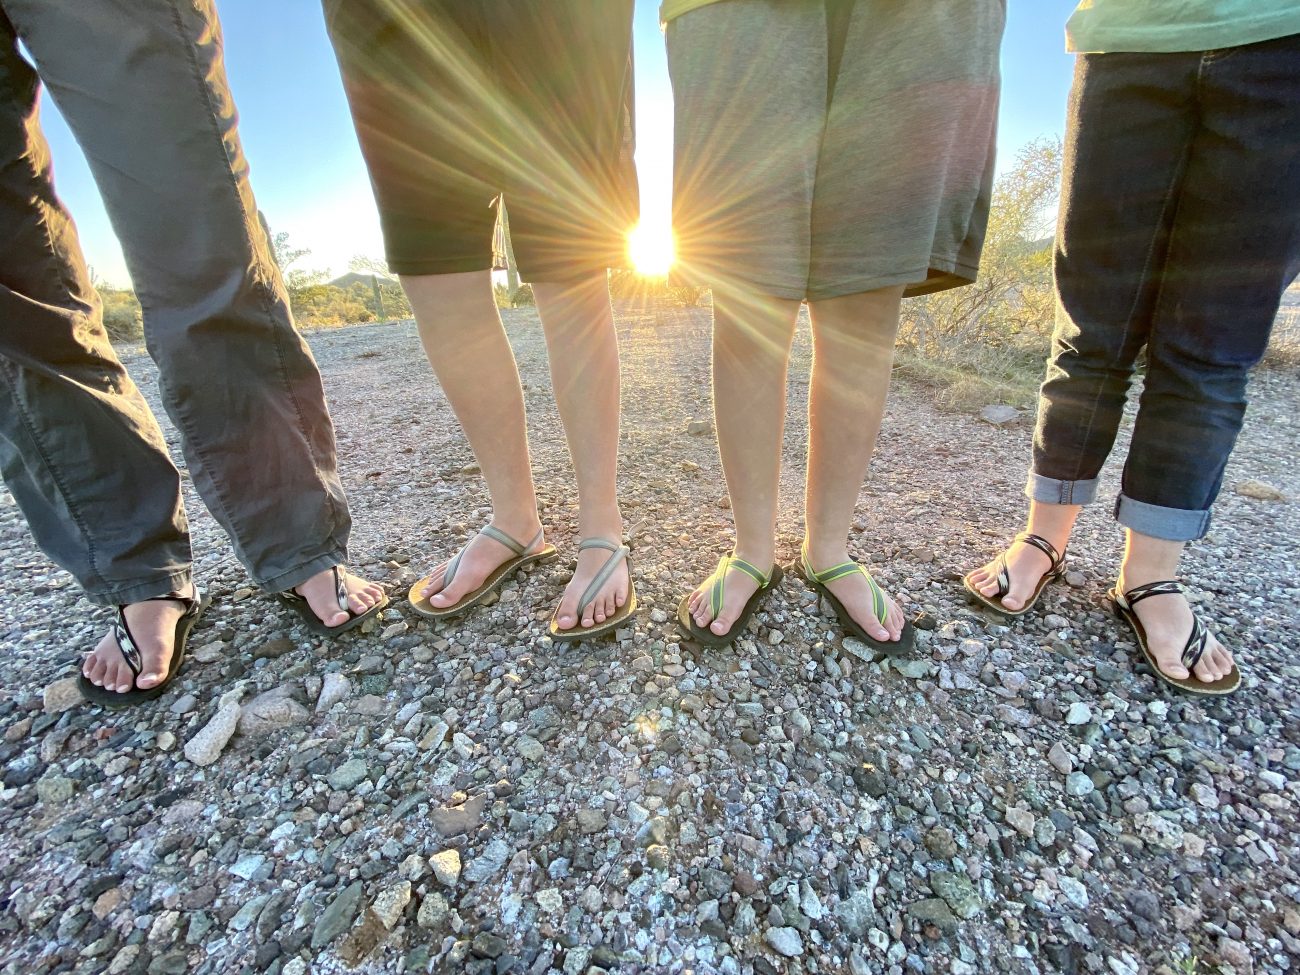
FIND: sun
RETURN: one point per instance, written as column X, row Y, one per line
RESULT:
column 651, row 247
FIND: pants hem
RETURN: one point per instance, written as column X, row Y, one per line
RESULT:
column 1157, row 521
column 1049, row 490
column 303, row 571
column 138, row 592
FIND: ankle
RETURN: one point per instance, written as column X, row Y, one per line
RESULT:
column 604, row 522
column 521, row 524
column 823, row 553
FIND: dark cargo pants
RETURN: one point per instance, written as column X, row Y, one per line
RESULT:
column 143, row 87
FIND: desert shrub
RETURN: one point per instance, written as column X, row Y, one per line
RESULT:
column 521, row 298
column 989, row 339
column 122, row 316
column 324, row 304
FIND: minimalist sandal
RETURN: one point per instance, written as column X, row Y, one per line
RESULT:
column 1053, row 573
column 621, row 613
column 298, row 603
column 126, row 645
column 494, row 581
column 717, row 583
column 1197, row 641
column 879, row 605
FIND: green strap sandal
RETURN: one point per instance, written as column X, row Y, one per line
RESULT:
column 621, row 614
column 522, row 557
column 717, row 583
column 879, row 605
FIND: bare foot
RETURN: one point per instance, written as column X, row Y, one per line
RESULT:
column 612, row 596
column 152, row 626
column 1167, row 621
column 1026, row 565
column 854, row 592
column 738, row 588
column 482, row 556
column 323, row 599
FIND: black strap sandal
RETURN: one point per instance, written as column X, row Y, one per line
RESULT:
column 105, row 697
column 299, row 605
column 1054, row 572
column 1197, row 641
column 818, row 581
column 717, row 584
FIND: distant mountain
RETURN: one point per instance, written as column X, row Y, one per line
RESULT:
column 357, row 277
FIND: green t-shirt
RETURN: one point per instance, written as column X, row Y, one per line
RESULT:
column 1098, row 26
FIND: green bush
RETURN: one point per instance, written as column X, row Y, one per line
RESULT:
column 123, row 320
column 522, row 298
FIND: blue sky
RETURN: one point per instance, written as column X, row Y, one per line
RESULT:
column 308, row 174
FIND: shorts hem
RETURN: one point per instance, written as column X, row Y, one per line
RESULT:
column 458, row 265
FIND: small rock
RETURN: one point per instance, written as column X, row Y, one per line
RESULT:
column 1078, row 714
column 433, row 910
column 1021, row 820
column 784, row 941
column 348, row 775
column 530, row 748
column 334, row 688
column 999, row 415
column 62, row 695
column 1078, row 784
column 391, row 902
column 591, row 820
column 338, row 917
column 206, row 746
column 446, row 867
column 1060, row 759
column 454, row 820
column 54, row 789
column 1259, row 491
column 699, row 428
column 271, row 711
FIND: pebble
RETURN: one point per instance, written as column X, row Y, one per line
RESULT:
column 62, row 695
column 334, row 688
column 446, row 867
column 1078, row 784
column 786, row 942
column 1078, row 714
column 206, row 746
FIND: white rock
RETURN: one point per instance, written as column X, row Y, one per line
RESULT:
column 446, row 867
column 784, row 941
column 205, row 747
column 391, row 902
column 334, row 688
column 1079, row 713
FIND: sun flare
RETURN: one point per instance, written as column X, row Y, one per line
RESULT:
column 651, row 247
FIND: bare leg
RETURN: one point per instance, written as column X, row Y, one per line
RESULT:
column 853, row 344
column 751, row 352
column 583, row 350
column 467, row 347
column 1025, row 563
column 1167, row 619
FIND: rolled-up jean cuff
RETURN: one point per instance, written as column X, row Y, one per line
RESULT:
column 1171, row 524
column 1048, row 490
column 138, row 592
column 304, row 571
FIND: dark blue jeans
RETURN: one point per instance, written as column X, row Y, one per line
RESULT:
column 1179, row 230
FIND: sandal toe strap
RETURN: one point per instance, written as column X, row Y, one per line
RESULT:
column 620, row 552
column 725, row 565
column 879, row 603
column 1003, row 577
column 1197, row 643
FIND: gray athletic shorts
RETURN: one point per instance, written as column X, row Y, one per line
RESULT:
column 831, row 147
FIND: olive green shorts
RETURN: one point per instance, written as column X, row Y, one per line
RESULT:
column 831, row 147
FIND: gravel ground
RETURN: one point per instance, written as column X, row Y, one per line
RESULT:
column 469, row 797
